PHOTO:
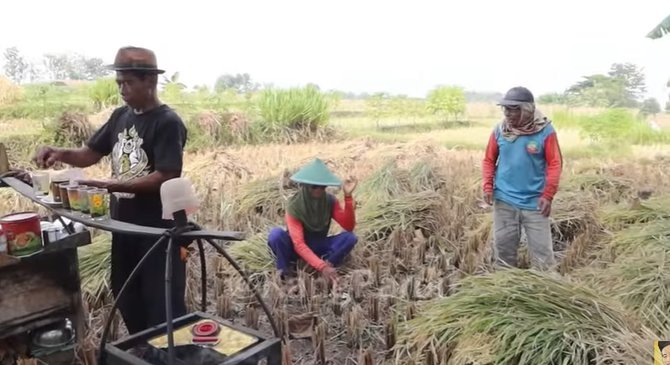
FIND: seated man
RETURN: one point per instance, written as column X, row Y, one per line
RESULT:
column 308, row 218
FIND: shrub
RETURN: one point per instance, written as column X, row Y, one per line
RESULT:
column 104, row 93
column 618, row 125
column 296, row 108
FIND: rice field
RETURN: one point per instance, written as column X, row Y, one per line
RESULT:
column 419, row 287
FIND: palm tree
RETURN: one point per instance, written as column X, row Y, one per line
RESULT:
column 173, row 80
column 661, row 29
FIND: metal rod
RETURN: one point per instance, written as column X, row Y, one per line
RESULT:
column 66, row 226
column 108, row 323
column 168, row 298
column 203, row 275
column 237, row 267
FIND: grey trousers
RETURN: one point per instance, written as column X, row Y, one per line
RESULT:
column 507, row 224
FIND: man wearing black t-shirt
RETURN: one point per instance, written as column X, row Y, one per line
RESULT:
column 145, row 140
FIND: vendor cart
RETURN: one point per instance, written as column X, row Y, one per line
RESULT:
column 44, row 288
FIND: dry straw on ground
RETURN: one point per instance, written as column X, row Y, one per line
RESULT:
column 73, row 129
column 422, row 231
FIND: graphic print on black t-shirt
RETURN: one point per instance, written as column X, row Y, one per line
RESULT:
column 129, row 161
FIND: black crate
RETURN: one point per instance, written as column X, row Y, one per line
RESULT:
column 264, row 348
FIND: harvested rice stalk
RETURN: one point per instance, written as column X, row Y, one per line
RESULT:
column 373, row 308
column 424, row 175
column 581, row 252
column 420, row 254
column 445, row 288
column 276, row 294
column 357, row 286
column 617, row 217
column 355, row 326
column 386, row 182
column 655, row 233
column 572, row 214
column 429, row 275
column 604, row 187
column 391, row 301
column 306, row 288
column 423, row 210
column 410, row 288
column 373, row 264
column 281, row 318
column 365, row 357
column 340, row 303
column 410, row 311
column 94, row 269
column 444, row 263
column 265, row 198
column 225, row 306
column 641, row 281
column 251, row 317
column 315, row 304
column 319, row 342
column 390, row 334
column 209, row 122
column 215, row 164
column 533, row 318
column 254, row 253
column 73, row 129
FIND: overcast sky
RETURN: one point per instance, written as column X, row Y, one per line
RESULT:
column 403, row 47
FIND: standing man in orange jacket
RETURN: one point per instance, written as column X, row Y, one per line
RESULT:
column 521, row 171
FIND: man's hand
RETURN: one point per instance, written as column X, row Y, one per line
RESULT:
column 330, row 274
column 349, row 185
column 46, row 157
column 544, row 206
column 20, row 175
column 488, row 198
column 102, row 184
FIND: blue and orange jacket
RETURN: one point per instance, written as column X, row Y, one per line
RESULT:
column 520, row 172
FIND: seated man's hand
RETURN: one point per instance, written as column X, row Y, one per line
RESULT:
column 330, row 274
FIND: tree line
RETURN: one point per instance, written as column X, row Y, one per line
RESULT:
column 52, row 66
column 623, row 86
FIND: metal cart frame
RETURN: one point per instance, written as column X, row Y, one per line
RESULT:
column 268, row 348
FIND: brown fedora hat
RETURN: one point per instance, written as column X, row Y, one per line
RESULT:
column 135, row 59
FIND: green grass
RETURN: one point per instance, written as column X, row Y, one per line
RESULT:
column 295, row 108
column 292, row 116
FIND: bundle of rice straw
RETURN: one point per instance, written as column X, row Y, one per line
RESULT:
column 621, row 216
column 73, row 128
column 409, row 211
column 94, row 269
column 523, row 317
column 265, row 198
column 641, row 281
column 254, row 254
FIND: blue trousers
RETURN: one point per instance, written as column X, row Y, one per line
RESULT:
column 332, row 248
